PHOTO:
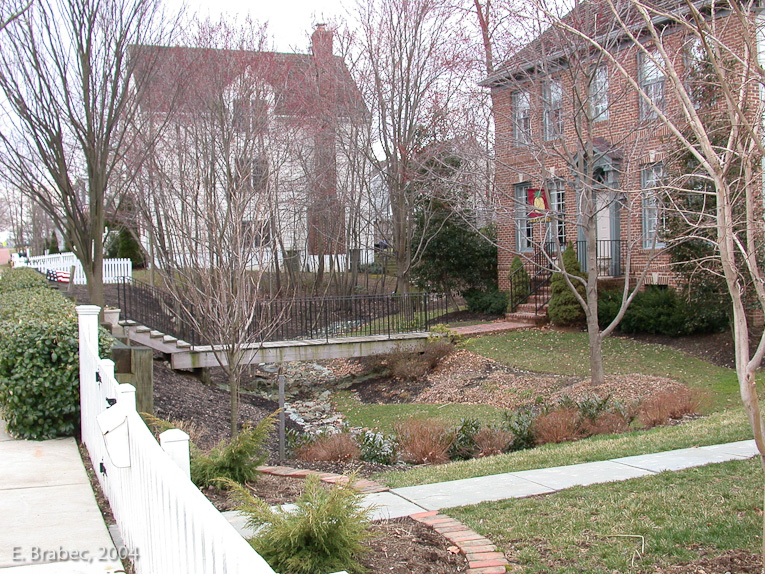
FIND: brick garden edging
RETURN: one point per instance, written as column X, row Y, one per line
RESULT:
column 362, row 485
column 482, row 556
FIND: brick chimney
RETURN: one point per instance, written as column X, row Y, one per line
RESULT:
column 321, row 42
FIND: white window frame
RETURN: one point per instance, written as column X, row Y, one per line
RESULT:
column 653, row 215
column 651, row 79
column 521, row 102
column 556, row 229
column 552, row 110
column 693, row 75
column 599, row 84
column 524, row 225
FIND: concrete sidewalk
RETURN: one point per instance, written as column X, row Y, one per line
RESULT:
column 410, row 500
column 48, row 511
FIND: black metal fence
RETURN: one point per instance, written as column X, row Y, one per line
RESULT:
column 308, row 318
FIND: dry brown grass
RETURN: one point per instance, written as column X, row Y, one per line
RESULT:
column 437, row 350
column 606, row 423
column 157, row 426
column 334, row 447
column 559, row 425
column 490, row 441
column 671, row 405
column 424, row 441
column 408, row 365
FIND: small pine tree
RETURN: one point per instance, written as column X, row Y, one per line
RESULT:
column 520, row 283
column 53, row 243
column 564, row 308
column 128, row 248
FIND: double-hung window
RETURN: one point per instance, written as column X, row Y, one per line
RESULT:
column 521, row 118
column 599, row 93
column 697, row 75
column 651, row 78
column 653, row 218
column 557, row 227
column 523, row 224
column 552, row 101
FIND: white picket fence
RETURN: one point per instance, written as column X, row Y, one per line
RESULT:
column 161, row 515
column 114, row 269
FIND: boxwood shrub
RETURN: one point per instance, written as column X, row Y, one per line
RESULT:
column 39, row 366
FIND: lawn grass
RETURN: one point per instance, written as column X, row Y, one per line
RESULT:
column 596, row 529
column 568, row 354
column 720, row 427
column 384, row 417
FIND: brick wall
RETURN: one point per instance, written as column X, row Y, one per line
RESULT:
column 638, row 144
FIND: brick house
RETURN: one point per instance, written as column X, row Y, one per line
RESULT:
column 288, row 124
column 573, row 133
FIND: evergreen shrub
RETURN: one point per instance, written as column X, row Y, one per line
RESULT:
column 237, row 459
column 39, row 358
column 21, row 278
column 324, row 533
column 564, row 308
column 490, row 302
column 662, row 311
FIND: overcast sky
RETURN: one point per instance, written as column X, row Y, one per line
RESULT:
column 290, row 22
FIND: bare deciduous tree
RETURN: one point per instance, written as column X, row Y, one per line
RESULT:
column 208, row 194
column 555, row 136
column 721, row 38
column 69, row 85
column 412, row 62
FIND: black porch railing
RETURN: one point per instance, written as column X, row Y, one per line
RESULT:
column 534, row 284
column 611, row 254
column 308, row 318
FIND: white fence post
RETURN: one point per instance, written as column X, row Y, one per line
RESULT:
column 175, row 443
column 126, row 394
column 160, row 513
column 88, row 346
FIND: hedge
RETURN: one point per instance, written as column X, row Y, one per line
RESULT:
column 662, row 311
column 21, row 278
column 39, row 361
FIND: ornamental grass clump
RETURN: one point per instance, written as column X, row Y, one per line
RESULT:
column 324, row 533
column 330, row 447
column 236, row 459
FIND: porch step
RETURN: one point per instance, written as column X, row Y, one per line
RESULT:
column 530, row 318
column 156, row 340
column 530, row 307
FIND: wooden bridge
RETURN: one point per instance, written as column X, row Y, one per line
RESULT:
column 299, row 329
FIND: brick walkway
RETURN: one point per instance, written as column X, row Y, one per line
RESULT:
column 489, row 328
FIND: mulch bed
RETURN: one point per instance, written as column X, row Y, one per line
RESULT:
column 403, row 545
column 400, row 546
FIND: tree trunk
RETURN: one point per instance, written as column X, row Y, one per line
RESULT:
column 233, row 386
column 597, row 374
